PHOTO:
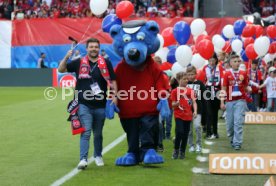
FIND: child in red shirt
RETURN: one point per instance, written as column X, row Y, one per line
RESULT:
column 183, row 98
column 235, row 85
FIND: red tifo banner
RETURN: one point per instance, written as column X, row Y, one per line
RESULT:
column 56, row 31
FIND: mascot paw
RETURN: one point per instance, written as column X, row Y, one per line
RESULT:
column 164, row 108
column 126, row 160
column 110, row 109
column 151, row 157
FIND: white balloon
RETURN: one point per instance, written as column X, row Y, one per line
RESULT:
column 217, row 50
column 98, row 7
column 272, row 56
column 161, row 39
column 176, row 68
column 261, row 45
column 267, row 58
column 198, row 61
column 198, row 26
column 218, row 41
column 228, row 31
column 162, row 53
column 215, row 37
column 183, row 55
column 205, row 33
column 236, row 45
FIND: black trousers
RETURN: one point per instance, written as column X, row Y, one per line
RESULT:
column 142, row 134
column 182, row 129
column 212, row 116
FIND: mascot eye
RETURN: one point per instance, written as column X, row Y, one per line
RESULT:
column 140, row 36
column 126, row 39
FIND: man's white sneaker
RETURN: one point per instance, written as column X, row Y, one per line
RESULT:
column 99, row 161
column 211, row 137
column 198, row 149
column 82, row 164
column 192, row 148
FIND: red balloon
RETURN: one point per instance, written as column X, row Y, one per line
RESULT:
column 272, row 48
column 206, row 49
column 258, row 30
column 194, row 50
column 248, row 31
column 200, row 75
column 271, row 31
column 250, row 52
column 248, row 41
column 200, row 38
column 167, row 34
column 166, row 66
column 227, row 47
column 124, row 9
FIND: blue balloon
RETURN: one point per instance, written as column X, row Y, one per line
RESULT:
column 109, row 21
column 234, row 38
column 171, row 55
column 181, row 32
column 225, row 38
column 237, row 37
column 244, row 56
column 239, row 26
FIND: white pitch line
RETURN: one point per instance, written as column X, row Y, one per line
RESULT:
column 205, row 151
column 75, row 171
column 202, row 159
column 209, row 142
column 197, row 170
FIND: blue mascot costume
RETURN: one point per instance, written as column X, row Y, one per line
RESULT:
column 139, row 77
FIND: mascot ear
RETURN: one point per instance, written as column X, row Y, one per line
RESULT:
column 114, row 31
column 153, row 27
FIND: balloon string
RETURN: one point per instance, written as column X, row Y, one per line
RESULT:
column 98, row 31
column 81, row 40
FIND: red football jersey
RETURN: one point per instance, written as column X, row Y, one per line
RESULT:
column 185, row 97
column 230, row 79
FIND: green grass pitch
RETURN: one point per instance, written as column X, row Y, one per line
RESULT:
column 37, row 148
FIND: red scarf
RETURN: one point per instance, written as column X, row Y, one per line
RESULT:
column 85, row 69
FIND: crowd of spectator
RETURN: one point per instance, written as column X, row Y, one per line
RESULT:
column 264, row 7
column 80, row 8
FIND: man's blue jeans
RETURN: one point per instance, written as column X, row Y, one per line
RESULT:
column 235, row 115
column 270, row 103
column 91, row 119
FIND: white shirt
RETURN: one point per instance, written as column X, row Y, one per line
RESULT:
column 270, row 87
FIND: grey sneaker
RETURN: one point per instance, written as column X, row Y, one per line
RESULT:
column 82, row 164
column 198, row 149
column 192, row 148
column 99, row 161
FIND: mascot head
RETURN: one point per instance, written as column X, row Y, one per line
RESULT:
column 135, row 40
